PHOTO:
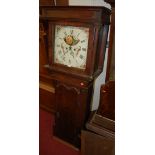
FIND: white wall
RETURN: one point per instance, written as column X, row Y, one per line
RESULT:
column 97, row 85
column 101, row 79
column 89, row 3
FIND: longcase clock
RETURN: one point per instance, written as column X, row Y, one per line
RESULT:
column 76, row 48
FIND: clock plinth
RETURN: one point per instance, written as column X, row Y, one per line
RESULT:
column 76, row 41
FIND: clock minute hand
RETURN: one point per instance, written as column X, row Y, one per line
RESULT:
column 72, row 53
column 63, row 50
column 78, row 50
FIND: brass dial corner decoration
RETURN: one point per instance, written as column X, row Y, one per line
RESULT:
column 71, row 45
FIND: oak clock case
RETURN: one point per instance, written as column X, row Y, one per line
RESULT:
column 71, row 53
column 76, row 38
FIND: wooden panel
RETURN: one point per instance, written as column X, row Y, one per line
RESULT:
column 62, row 2
column 42, row 49
column 97, row 139
column 46, row 2
column 54, row 2
column 69, row 14
column 47, row 97
column 46, row 87
column 97, row 121
column 67, row 110
column 94, row 144
column 107, row 100
column 75, row 13
column 72, row 107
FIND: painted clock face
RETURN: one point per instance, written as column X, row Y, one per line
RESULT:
column 71, row 46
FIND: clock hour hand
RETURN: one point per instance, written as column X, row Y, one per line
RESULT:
column 63, row 49
column 78, row 50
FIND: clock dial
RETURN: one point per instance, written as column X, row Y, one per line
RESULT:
column 71, row 45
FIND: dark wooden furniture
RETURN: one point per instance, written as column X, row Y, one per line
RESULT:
column 106, row 109
column 107, row 100
column 47, row 96
column 99, row 138
column 53, row 2
column 73, row 84
column 95, row 144
column 46, row 90
column 62, row 2
column 46, row 2
column 72, row 109
column 87, row 17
